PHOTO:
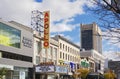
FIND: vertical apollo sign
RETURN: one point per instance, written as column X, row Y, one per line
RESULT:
column 46, row 28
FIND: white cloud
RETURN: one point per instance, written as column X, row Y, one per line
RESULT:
column 63, row 26
column 20, row 11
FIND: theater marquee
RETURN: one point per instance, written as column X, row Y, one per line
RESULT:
column 46, row 28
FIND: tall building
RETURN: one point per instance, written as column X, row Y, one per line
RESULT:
column 69, row 53
column 16, row 49
column 91, row 37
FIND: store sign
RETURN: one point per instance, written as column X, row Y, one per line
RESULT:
column 27, row 42
column 46, row 63
column 61, row 69
column 46, row 29
column 44, row 69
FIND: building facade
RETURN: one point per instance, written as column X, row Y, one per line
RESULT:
column 69, row 53
column 115, row 66
column 91, row 37
column 95, row 59
column 45, row 58
column 44, row 55
column 16, row 49
column 91, row 42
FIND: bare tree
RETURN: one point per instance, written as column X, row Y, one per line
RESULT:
column 108, row 12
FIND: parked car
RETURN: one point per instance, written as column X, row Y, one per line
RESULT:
column 94, row 76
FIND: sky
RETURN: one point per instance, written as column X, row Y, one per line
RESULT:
column 65, row 18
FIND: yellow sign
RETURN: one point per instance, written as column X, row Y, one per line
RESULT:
column 46, row 28
column 4, row 40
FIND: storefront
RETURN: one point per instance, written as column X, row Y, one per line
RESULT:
column 50, row 71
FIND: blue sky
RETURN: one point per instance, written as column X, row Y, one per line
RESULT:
column 65, row 17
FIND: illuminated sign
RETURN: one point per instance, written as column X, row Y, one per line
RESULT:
column 45, row 68
column 61, row 69
column 46, row 29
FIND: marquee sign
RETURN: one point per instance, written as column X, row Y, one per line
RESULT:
column 46, row 29
column 42, row 69
column 61, row 69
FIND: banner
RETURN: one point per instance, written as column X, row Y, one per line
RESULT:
column 46, row 28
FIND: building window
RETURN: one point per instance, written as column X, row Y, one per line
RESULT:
column 87, row 39
column 51, row 50
column 44, row 51
column 55, row 53
column 44, row 59
column 68, row 49
column 66, row 56
column 63, row 55
column 37, row 60
column 37, row 47
column 60, row 54
column 9, row 36
column 63, row 46
column 16, row 56
column 60, row 45
column 16, row 75
column 55, row 62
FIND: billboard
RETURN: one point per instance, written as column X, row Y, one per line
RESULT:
column 9, row 36
column 46, row 28
column 4, row 40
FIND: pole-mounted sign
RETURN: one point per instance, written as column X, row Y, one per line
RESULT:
column 46, row 28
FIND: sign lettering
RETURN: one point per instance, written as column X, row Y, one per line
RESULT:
column 46, row 29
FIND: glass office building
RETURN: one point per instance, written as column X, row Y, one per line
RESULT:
column 16, row 49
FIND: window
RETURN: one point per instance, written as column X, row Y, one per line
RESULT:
column 44, row 51
column 60, row 54
column 55, row 62
column 37, row 60
column 9, row 36
column 37, row 47
column 51, row 50
column 66, row 48
column 66, row 56
column 44, row 59
column 55, row 53
column 63, row 47
column 16, row 56
column 87, row 39
column 16, row 75
column 63, row 55
column 60, row 46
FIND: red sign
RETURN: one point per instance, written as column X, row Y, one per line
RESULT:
column 46, row 29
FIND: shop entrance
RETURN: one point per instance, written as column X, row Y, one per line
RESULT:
column 45, row 76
